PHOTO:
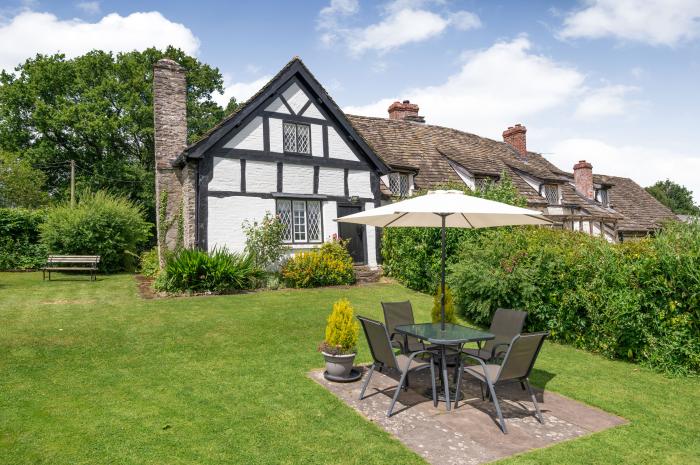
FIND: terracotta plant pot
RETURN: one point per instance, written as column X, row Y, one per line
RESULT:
column 338, row 366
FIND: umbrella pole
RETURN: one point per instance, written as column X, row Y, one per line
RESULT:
column 442, row 283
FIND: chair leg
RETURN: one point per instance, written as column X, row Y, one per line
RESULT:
column 458, row 390
column 432, row 382
column 445, row 381
column 494, row 399
column 396, row 394
column 364, row 385
column 534, row 401
column 405, row 385
column 522, row 385
column 481, row 388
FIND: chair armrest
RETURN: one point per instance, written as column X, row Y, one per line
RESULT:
column 496, row 346
column 483, row 365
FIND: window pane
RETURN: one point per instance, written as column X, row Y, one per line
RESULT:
column 284, row 213
column 403, row 185
column 480, row 183
column 303, row 138
column 299, row 210
column 394, row 184
column 290, row 137
column 313, row 213
column 551, row 192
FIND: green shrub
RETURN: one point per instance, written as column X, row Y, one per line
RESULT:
column 342, row 330
column 329, row 265
column 149, row 263
column 100, row 224
column 435, row 312
column 636, row 301
column 193, row 270
column 264, row 241
column 20, row 248
column 413, row 255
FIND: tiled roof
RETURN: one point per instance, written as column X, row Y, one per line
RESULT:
column 429, row 150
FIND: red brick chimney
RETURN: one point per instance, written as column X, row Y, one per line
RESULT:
column 515, row 136
column 405, row 111
column 583, row 178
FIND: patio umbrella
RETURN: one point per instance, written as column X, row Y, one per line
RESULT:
column 446, row 209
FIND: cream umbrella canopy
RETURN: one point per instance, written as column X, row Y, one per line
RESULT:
column 446, row 209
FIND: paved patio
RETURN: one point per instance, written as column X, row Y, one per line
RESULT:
column 470, row 434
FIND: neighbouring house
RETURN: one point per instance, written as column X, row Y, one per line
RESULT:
column 291, row 151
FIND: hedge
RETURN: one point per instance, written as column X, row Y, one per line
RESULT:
column 19, row 239
column 638, row 301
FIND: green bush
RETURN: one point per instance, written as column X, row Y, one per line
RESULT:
column 413, row 255
column 193, row 270
column 329, row 265
column 20, row 248
column 149, row 263
column 435, row 312
column 100, row 224
column 264, row 241
column 637, row 300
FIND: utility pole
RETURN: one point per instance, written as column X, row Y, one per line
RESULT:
column 72, row 183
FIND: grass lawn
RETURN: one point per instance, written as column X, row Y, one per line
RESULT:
column 92, row 374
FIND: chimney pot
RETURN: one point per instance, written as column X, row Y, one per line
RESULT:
column 405, row 111
column 515, row 136
column 583, row 178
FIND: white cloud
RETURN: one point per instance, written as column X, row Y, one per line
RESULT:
column 645, row 165
column 403, row 22
column 495, row 87
column 656, row 22
column 91, row 8
column 241, row 90
column 610, row 100
column 31, row 33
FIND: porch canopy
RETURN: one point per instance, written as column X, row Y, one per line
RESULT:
column 446, row 209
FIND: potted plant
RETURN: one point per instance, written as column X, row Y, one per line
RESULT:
column 340, row 345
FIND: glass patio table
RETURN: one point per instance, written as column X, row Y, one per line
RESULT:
column 452, row 337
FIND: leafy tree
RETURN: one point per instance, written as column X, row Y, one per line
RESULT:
column 20, row 184
column 97, row 109
column 676, row 197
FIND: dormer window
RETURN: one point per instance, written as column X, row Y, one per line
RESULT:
column 551, row 193
column 601, row 195
column 399, row 184
column 480, row 183
column 297, row 138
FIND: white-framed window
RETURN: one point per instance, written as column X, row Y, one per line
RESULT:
column 297, row 138
column 551, row 193
column 480, row 183
column 302, row 220
column 601, row 195
column 399, row 184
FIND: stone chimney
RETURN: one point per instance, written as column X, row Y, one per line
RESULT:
column 515, row 136
column 583, row 178
column 174, row 185
column 405, row 111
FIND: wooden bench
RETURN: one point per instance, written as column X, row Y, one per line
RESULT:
column 72, row 263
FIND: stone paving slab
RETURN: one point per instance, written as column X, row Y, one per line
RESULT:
column 469, row 434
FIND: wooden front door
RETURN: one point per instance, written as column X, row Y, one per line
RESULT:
column 354, row 232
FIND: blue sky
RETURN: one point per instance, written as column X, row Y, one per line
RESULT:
column 614, row 82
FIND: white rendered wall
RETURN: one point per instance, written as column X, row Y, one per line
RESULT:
column 277, row 106
column 250, row 137
column 330, row 227
column 295, row 97
column 371, row 241
column 337, row 148
column 261, row 176
column 317, row 140
column 297, row 179
column 331, row 181
column 313, row 112
column 359, row 183
column 276, row 142
column 226, row 175
column 226, row 216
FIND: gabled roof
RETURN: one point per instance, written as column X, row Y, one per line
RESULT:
column 294, row 68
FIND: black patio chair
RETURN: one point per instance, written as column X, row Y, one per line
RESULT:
column 505, row 325
column 516, row 367
column 396, row 314
column 384, row 358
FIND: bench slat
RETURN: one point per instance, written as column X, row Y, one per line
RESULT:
column 68, row 268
